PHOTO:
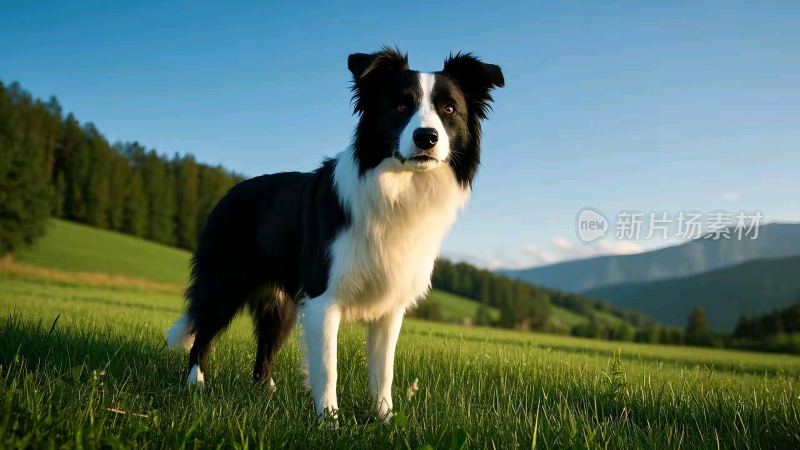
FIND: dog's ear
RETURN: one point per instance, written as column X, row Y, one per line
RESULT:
column 475, row 78
column 385, row 61
column 370, row 71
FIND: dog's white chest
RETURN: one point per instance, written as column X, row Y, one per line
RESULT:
column 383, row 260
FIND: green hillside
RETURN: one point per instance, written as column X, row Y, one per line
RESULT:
column 76, row 247
column 754, row 287
column 81, row 248
column 456, row 307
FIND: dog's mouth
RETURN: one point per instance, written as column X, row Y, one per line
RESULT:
column 423, row 159
column 416, row 159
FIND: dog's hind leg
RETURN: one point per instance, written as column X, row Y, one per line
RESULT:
column 274, row 314
column 210, row 311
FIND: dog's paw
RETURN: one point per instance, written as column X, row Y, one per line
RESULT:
column 329, row 419
column 385, row 412
column 196, row 377
column 386, row 417
column 268, row 384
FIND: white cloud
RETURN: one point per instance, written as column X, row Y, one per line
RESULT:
column 479, row 261
column 535, row 255
column 730, row 197
column 530, row 249
column 565, row 247
column 558, row 249
column 613, row 247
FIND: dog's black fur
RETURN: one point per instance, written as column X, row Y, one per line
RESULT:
column 263, row 245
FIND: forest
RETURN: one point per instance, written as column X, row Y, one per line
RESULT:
column 54, row 166
column 778, row 331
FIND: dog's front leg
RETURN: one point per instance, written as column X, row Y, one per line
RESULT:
column 381, row 343
column 320, row 319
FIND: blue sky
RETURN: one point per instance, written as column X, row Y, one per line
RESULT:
column 668, row 106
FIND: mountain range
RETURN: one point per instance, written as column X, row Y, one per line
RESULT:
column 726, row 277
column 775, row 240
column 757, row 287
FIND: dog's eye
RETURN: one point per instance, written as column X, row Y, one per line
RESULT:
column 401, row 108
column 449, row 109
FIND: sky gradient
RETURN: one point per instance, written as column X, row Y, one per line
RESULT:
column 617, row 106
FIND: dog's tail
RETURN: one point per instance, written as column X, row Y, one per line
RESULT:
column 180, row 333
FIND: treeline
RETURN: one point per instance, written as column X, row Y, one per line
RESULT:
column 778, row 331
column 527, row 307
column 51, row 165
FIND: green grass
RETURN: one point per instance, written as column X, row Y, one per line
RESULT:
column 608, row 318
column 70, row 352
column 499, row 389
column 75, row 247
column 568, row 317
column 456, row 307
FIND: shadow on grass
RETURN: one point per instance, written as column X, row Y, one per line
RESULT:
column 117, row 385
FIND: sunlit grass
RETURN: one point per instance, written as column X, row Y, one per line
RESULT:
column 492, row 388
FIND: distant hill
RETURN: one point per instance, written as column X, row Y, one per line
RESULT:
column 758, row 286
column 455, row 307
column 81, row 248
column 693, row 257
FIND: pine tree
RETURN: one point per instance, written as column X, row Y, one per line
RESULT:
column 698, row 332
column 483, row 315
column 118, row 177
column 160, row 195
column 73, row 161
column 96, row 190
column 186, row 179
column 134, row 211
column 25, row 194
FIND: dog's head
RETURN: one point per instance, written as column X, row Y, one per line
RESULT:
column 423, row 120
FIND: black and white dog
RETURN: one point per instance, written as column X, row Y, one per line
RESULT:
column 354, row 240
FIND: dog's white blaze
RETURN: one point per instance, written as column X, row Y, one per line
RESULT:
column 425, row 117
column 380, row 266
column 196, row 376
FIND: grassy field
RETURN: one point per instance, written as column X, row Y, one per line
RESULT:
column 85, row 366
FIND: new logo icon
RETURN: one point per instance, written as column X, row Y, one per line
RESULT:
column 591, row 225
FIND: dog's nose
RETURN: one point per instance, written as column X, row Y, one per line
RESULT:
column 425, row 138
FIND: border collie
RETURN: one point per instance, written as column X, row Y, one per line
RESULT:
column 354, row 240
